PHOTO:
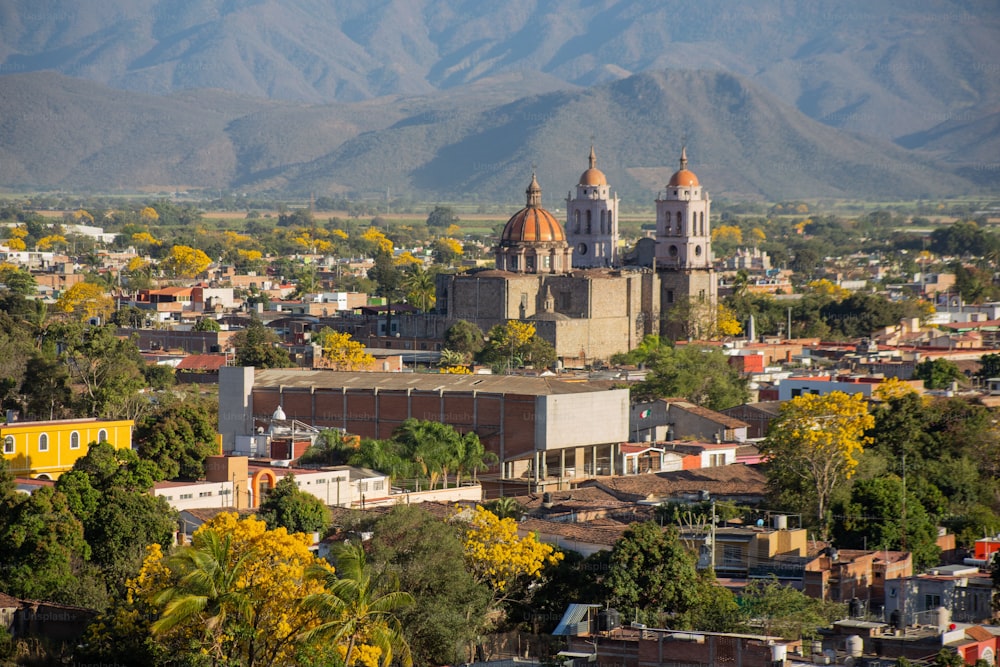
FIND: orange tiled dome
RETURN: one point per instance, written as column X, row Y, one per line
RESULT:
column 532, row 224
column 683, row 177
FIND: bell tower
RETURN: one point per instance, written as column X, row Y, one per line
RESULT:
column 592, row 220
column 689, row 289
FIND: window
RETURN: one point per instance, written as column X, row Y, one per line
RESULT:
column 576, row 216
column 378, row 486
column 43, row 442
column 74, row 440
column 932, row 601
column 102, row 435
column 589, row 217
column 8, row 445
column 204, row 494
column 186, row 496
column 670, row 296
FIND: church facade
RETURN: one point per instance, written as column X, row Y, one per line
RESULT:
column 571, row 284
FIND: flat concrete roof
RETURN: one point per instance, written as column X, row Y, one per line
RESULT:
column 497, row 384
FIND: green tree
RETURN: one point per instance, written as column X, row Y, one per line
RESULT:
column 18, row 281
column 418, row 283
column 516, row 344
column 650, row 570
column 207, row 324
column 294, row 510
column 41, row 543
column 106, row 368
column 875, row 516
column 702, row 376
column 178, row 437
column 388, row 279
column 464, row 337
column 257, row 346
column 108, row 489
column 937, row 373
column 442, row 217
column 449, row 605
column 775, row 609
column 361, row 605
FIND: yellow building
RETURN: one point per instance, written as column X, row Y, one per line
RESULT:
column 45, row 450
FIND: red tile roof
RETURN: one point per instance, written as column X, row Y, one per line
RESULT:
column 202, row 362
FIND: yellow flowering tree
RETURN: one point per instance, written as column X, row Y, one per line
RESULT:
column 824, row 287
column 235, row 593
column 892, row 388
column 378, row 243
column 145, row 239
column 185, row 262
column 51, row 241
column 726, row 323
column 814, row 444
column 84, row 301
column 16, row 244
column 149, row 215
column 497, row 556
column 343, row 353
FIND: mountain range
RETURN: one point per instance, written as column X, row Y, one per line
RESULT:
column 456, row 98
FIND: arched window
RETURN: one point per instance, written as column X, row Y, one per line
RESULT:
column 576, row 227
column 8, row 445
column 74, row 440
column 701, row 223
column 102, row 436
column 680, row 228
column 603, row 218
column 589, row 220
column 43, row 442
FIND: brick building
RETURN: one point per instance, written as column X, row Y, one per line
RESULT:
column 545, row 432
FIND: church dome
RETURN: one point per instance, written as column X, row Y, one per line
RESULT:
column 683, row 177
column 532, row 224
column 593, row 176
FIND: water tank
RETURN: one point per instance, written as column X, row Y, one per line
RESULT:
column 780, row 522
column 854, row 646
column 942, row 618
column 779, row 653
column 547, row 499
column 609, row 620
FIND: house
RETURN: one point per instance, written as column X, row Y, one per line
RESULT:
column 742, row 550
column 46, row 449
column 843, row 575
column 680, row 419
column 595, row 635
column 965, row 591
column 757, row 416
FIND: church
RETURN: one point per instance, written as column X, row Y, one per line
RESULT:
column 574, row 284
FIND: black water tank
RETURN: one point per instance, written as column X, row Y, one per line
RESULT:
column 609, row 620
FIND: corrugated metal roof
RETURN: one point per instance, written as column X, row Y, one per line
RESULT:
column 499, row 384
column 574, row 614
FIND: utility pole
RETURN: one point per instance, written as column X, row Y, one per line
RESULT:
column 712, row 548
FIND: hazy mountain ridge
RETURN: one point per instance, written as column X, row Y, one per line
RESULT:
column 57, row 132
column 873, row 67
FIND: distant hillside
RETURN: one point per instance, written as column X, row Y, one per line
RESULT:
column 880, row 67
column 742, row 143
column 57, row 132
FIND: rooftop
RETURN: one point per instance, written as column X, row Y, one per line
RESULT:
column 291, row 378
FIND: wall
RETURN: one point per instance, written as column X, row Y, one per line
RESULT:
column 27, row 460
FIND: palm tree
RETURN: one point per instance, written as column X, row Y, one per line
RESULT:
column 360, row 605
column 207, row 589
column 419, row 285
column 474, row 457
